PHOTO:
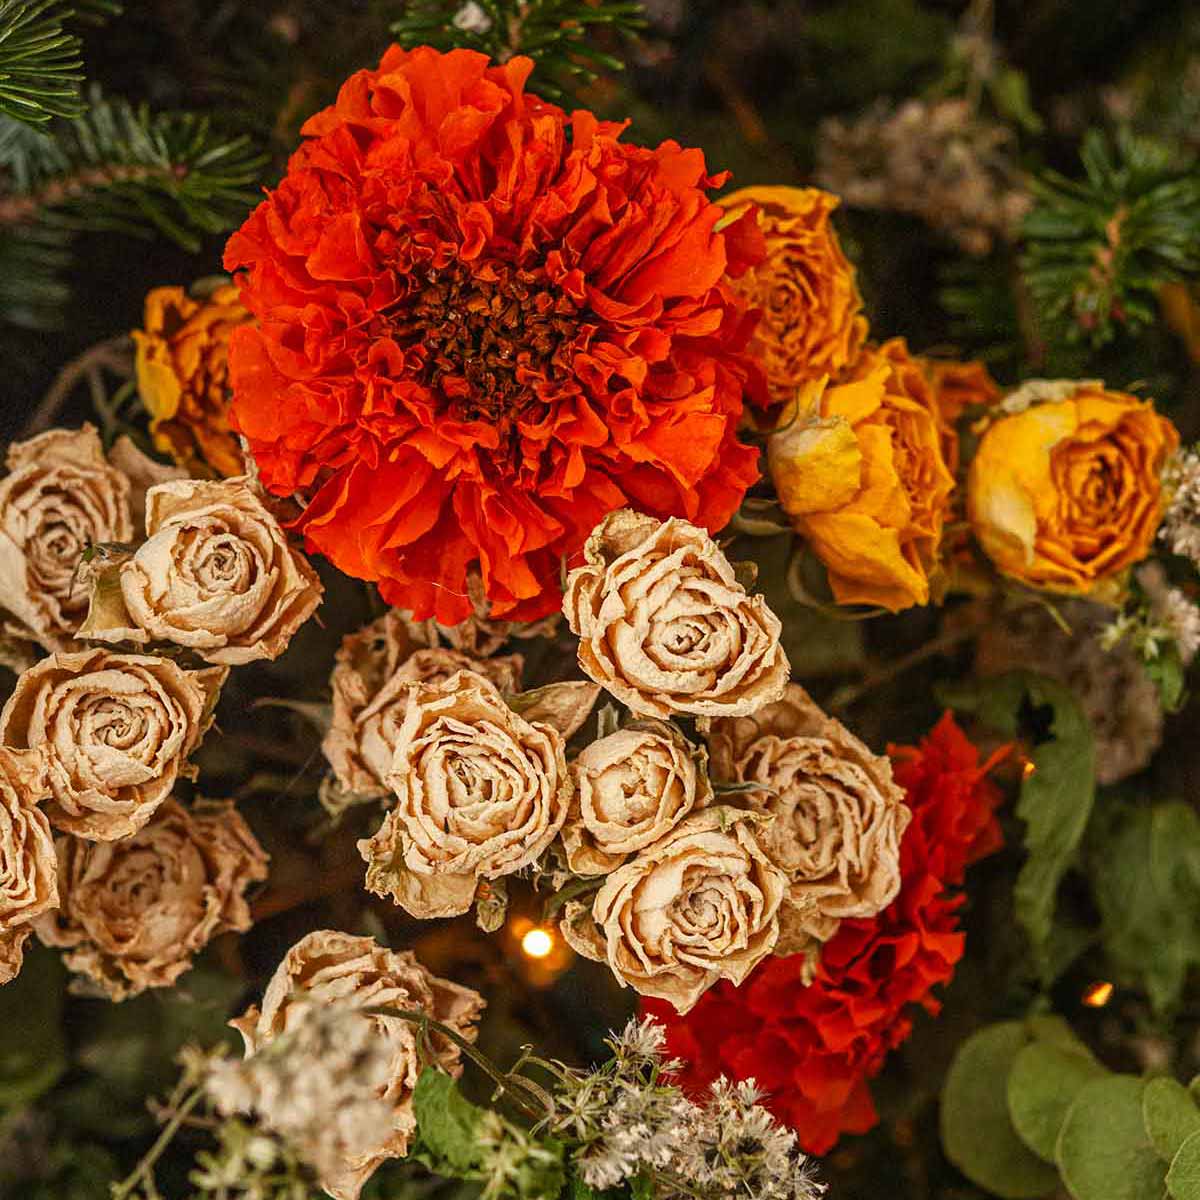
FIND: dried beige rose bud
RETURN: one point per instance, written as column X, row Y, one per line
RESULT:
column 631, row 788
column 28, row 866
column 133, row 913
column 836, row 816
column 216, row 574
column 335, row 968
column 61, row 497
column 480, row 793
column 116, row 730
column 370, row 682
column 665, row 626
column 700, row 904
column 12, row 952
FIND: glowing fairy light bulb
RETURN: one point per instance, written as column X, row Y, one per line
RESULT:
column 537, row 942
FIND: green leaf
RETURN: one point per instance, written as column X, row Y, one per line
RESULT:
column 977, row 1132
column 1144, row 865
column 33, row 1050
column 1183, row 1179
column 1167, row 672
column 1057, row 1032
column 448, row 1124
column 1056, row 797
column 1104, row 1152
column 1043, row 1084
column 1170, row 1115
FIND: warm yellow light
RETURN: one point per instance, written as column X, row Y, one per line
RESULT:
column 537, row 943
column 1098, row 995
column 1028, row 767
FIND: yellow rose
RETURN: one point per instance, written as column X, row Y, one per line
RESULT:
column 1065, row 492
column 812, row 322
column 859, row 467
column 183, row 375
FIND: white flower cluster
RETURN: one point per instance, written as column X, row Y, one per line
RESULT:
column 631, row 1124
column 319, row 1087
column 1181, row 523
column 1171, row 613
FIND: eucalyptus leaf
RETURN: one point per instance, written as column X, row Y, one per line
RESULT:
column 1043, row 1083
column 1104, row 1152
column 1170, row 1115
column 1183, row 1178
column 977, row 1131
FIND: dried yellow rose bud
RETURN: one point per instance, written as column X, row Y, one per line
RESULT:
column 480, row 793
column 700, row 904
column 835, row 815
column 665, row 626
column 216, row 574
column 631, row 788
column 116, row 730
column 135, row 912
column 335, row 968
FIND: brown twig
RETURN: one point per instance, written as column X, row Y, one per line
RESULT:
column 113, row 355
column 22, row 208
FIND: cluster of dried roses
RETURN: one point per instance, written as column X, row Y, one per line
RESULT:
column 98, row 855
column 692, row 882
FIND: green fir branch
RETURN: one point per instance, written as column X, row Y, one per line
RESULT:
column 41, row 63
column 556, row 34
column 126, row 169
column 1097, row 250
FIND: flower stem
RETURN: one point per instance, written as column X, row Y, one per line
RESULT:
column 144, row 1171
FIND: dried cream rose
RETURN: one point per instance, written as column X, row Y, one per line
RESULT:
column 631, row 788
column 28, row 866
column 700, row 904
column 116, row 730
column 12, row 952
column 480, row 793
column 133, row 913
column 336, row 968
column 836, row 816
column 665, row 626
column 373, row 668
column 216, row 574
column 61, row 496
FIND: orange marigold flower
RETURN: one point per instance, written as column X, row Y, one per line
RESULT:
column 812, row 322
column 183, row 375
column 860, row 468
column 483, row 325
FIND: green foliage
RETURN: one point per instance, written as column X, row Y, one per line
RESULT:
column 1108, row 1136
column 1056, row 797
column 556, row 34
column 977, row 1133
column 1097, row 250
column 448, row 1123
column 33, row 1051
column 41, row 68
column 1144, row 866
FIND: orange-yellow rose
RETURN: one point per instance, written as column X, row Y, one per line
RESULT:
column 860, row 468
column 812, row 322
column 183, row 375
column 1065, row 491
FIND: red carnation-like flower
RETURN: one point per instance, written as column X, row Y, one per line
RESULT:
column 482, row 325
column 814, row 1046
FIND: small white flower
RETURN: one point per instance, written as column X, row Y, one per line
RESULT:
column 471, row 18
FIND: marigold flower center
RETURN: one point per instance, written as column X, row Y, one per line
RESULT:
column 487, row 336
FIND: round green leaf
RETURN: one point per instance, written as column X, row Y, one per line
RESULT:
column 1170, row 1114
column 1049, row 1027
column 1043, row 1084
column 1183, row 1179
column 977, row 1133
column 1104, row 1152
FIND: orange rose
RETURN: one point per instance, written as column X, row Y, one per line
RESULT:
column 1065, row 491
column 860, row 468
column 183, row 375
column 812, row 322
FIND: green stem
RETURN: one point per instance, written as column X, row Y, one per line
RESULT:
column 144, row 1171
